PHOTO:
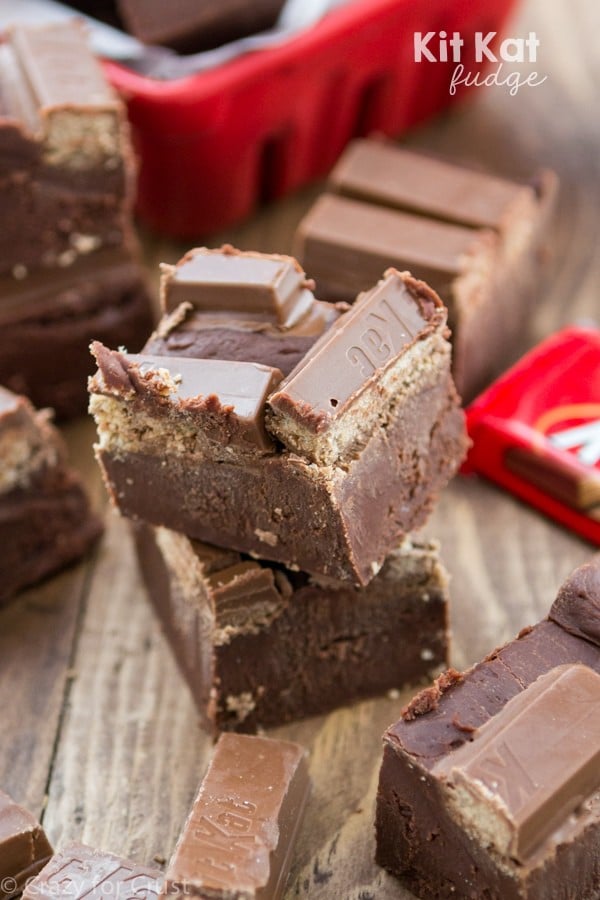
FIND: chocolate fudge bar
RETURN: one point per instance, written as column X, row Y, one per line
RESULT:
column 68, row 256
column 24, row 847
column 260, row 645
column 79, row 871
column 193, row 25
column 45, row 518
column 239, row 837
column 325, row 469
column 490, row 783
column 475, row 238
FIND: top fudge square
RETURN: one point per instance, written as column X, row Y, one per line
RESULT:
column 260, row 419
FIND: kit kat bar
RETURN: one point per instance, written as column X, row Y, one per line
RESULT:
column 238, row 839
column 24, row 847
column 389, row 175
column 273, row 287
column 225, row 399
column 514, row 791
column 337, row 392
column 79, row 871
column 566, row 479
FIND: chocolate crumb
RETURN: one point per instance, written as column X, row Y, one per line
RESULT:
column 426, row 701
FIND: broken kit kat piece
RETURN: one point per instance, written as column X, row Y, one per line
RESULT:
column 242, row 630
column 490, row 785
column 78, row 871
column 333, row 495
column 239, row 837
column 45, row 517
column 69, row 268
column 536, row 430
column 474, row 237
column 24, row 847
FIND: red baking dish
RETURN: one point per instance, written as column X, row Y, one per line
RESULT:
column 215, row 145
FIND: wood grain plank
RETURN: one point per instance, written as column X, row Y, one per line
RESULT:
column 131, row 752
column 37, row 631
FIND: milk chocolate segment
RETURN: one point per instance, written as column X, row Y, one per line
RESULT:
column 79, row 871
column 337, row 391
column 402, row 179
column 533, row 764
column 252, row 283
column 239, row 836
column 24, row 847
column 350, row 243
column 226, row 398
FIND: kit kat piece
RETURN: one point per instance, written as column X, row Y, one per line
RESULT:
column 490, row 783
column 195, row 25
column 45, row 518
column 24, row 847
column 238, row 840
column 69, row 270
column 241, row 630
column 476, row 238
column 332, row 500
column 78, row 871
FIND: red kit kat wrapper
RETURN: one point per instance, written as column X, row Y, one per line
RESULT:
column 536, row 431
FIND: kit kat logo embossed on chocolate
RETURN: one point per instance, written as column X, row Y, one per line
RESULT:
column 504, row 774
column 225, row 838
column 381, row 339
column 534, row 763
column 108, row 878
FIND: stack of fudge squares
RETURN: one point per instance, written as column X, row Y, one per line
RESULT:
column 68, row 257
column 275, row 453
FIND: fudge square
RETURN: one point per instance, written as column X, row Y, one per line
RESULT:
column 68, row 255
column 324, row 469
column 477, row 239
column 24, row 847
column 490, row 783
column 45, row 517
column 260, row 645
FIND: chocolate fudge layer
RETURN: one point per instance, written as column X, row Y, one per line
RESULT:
column 78, row 871
column 490, row 783
column 260, row 645
column 238, row 841
column 476, row 238
column 24, row 847
column 48, row 322
column 325, row 469
column 68, row 257
column 45, row 518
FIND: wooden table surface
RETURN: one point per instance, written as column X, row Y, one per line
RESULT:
column 99, row 733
